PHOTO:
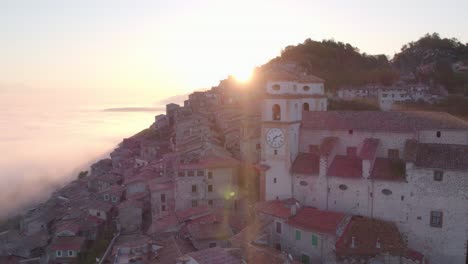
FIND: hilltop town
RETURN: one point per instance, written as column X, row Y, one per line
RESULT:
column 264, row 174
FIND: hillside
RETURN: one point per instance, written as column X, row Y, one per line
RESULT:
column 432, row 60
column 338, row 63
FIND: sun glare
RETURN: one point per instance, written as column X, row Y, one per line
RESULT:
column 243, row 75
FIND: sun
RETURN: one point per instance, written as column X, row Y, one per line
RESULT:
column 243, row 75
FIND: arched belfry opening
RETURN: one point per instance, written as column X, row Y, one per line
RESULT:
column 276, row 110
column 305, row 107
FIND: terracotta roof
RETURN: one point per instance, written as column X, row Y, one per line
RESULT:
column 172, row 248
column 312, row 219
column 67, row 226
column 67, row 243
column 192, row 212
column 367, row 232
column 306, row 163
column 381, row 121
column 209, row 231
column 439, row 156
column 388, row 169
column 346, row 166
column 369, row 148
column 278, row 208
column 163, row 224
column 250, row 233
column 414, row 255
column 214, row 255
column 327, row 145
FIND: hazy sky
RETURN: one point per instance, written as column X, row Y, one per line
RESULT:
column 141, row 51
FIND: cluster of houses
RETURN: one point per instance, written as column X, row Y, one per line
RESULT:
column 387, row 97
column 273, row 178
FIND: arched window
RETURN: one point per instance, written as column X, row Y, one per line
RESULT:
column 276, row 110
column 276, row 87
column 306, row 88
column 305, row 107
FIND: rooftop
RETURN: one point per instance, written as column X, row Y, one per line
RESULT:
column 381, row 121
column 215, row 255
column 369, row 148
column 388, row 169
column 441, row 156
column 371, row 237
column 67, row 243
column 346, row 166
column 312, row 219
column 278, row 208
column 306, row 163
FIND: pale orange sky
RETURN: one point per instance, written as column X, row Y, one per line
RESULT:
column 138, row 52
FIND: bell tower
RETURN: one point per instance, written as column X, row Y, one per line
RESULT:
column 285, row 100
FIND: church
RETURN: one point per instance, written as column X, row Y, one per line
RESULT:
column 410, row 168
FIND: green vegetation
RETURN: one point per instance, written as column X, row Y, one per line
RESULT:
column 338, row 63
column 10, row 223
column 352, row 105
column 82, row 174
column 430, row 58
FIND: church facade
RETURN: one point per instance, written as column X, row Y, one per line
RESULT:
column 410, row 168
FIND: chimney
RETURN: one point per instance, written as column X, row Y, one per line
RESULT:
column 353, row 242
column 293, row 210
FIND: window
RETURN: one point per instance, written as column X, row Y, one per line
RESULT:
column 278, row 227
column 258, row 146
column 343, row 187
column 275, row 152
column 305, row 107
column 194, row 203
column 163, row 197
column 276, row 110
column 190, row 173
column 386, row 192
column 438, row 175
column 210, row 203
column 212, row 245
column 306, row 88
column 274, row 180
column 181, row 173
column 305, row 259
column 278, row 247
column 59, row 253
column 393, row 154
column 70, row 253
column 210, row 175
column 438, row 134
column 276, row 87
column 350, row 131
column 194, row 188
column 314, row 240
column 114, row 199
column 298, row 235
column 163, row 208
column 98, row 214
column 436, row 218
column 351, row 151
column 210, row 188
column 200, row 173
column 106, row 197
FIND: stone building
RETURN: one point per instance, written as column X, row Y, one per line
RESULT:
column 410, row 168
column 211, row 181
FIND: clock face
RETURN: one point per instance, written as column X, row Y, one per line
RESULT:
column 275, row 137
